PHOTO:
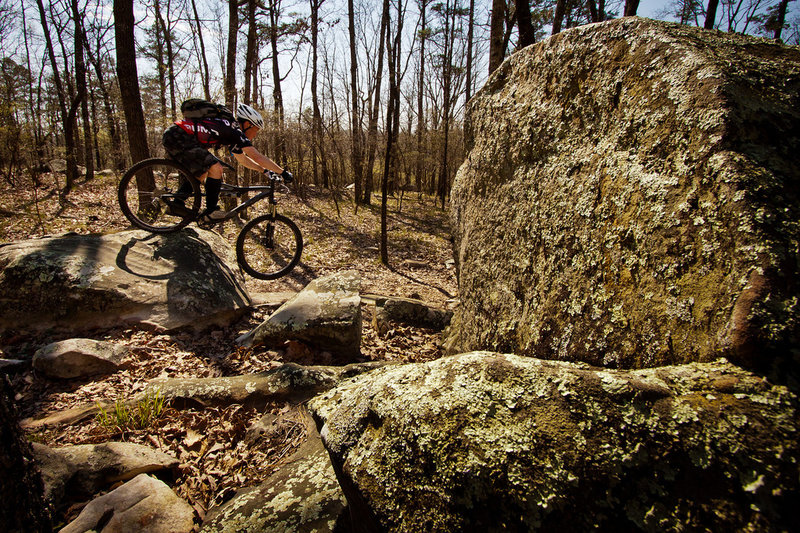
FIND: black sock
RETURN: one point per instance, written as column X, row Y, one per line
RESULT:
column 212, row 194
column 183, row 192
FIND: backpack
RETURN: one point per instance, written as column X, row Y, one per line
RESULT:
column 197, row 108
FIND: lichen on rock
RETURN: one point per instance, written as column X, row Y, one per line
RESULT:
column 489, row 442
column 629, row 199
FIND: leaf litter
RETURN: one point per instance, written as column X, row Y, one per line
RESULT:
column 217, row 453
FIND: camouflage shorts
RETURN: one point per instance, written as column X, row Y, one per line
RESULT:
column 187, row 150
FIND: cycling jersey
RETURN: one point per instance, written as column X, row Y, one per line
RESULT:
column 216, row 132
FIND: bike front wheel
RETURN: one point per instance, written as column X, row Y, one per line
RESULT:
column 159, row 195
column 269, row 247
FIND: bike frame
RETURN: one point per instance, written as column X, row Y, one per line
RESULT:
column 267, row 191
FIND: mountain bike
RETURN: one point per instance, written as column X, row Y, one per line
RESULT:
column 267, row 247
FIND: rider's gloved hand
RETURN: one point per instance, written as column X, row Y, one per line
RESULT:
column 287, row 176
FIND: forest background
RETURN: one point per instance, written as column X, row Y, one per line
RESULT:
column 355, row 93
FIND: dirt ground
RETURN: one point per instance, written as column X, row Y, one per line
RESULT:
column 215, row 461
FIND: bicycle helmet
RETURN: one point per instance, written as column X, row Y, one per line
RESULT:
column 245, row 112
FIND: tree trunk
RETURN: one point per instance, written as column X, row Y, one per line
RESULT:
column 593, row 15
column 204, row 72
column 160, row 59
column 780, row 19
column 316, row 119
column 527, row 35
column 392, row 121
column 80, row 82
column 250, row 55
column 420, row 170
column 711, row 14
column 497, row 34
column 277, row 93
column 129, row 81
column 230, row 64
column 67, row 116
column 22, row 492
column 470, row 44
column 631, row 7
column 558, row 16
column 372, row 141
column 357, row 152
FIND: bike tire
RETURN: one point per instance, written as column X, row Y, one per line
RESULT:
column 269, row 257
column 146, row 192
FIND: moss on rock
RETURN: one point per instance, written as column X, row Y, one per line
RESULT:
column 629, row 199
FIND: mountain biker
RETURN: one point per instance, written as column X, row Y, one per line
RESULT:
column 187, row 142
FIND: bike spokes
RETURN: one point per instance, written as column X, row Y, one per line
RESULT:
column 269, row 247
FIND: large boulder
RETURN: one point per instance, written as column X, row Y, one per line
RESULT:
column 189, row 278
column 630, row 199
column 491, row 442
column 326, row 315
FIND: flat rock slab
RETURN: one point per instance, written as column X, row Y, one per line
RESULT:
column 79, row 358
column 287, row 382
column 184, row 279
column 303, row 496
column 142, row 504
column 491, row 442
column 77, row 472
column 326, row 315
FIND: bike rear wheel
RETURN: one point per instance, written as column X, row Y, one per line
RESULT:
column 149, row 196
column 269, row 247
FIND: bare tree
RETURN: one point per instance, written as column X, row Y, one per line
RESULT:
column 67, row 113
column 357, row 151
column 711, row 14
column 80, row 82
column 128, row 77
column 204, row 74
column 497, row 34
column 230, row 64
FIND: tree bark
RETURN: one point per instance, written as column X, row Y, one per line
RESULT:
column 470, row 44
column 129, row 80
column 230, row 64
column 558, row 16
column 67, row 122
column 357, row 152
column 527, row 35
column 316, row 119
column 250, row 55
column 81, row 85
column 372, row 140
column 497, row 34
column 631, row 7
column 22, row 492
column 780, row 19
column 277, row 93
column 423, row 36
column 204, row 72
column 711, row 14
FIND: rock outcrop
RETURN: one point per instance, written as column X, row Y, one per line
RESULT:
column 78, row 358
column 630, row 199
column 325, row 315
column 142, row 504
column 491, row 442
column 189, row 278
column 303, row 496
column 288, row 382
column 81, row 471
